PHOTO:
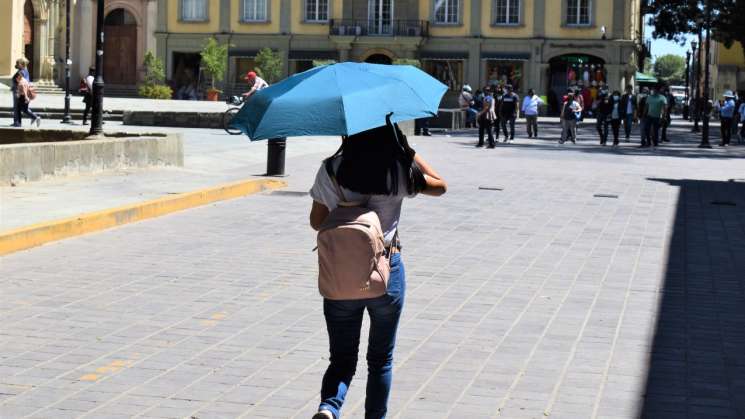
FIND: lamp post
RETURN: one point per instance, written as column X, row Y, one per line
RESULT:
column 697, row 86
column 66, row 117
column 97, row 115
column 686, row 109
column 706, row 107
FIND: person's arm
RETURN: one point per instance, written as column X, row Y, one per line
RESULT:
column 318, row 214
column 436, row 186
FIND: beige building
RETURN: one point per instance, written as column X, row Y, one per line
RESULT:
column 727, row 69
column 528, row 43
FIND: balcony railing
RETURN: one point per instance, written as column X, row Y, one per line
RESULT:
column 345, row 27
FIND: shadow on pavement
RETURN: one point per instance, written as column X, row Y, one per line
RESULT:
column 697, row 359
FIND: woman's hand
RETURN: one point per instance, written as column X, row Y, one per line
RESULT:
column 435, row 185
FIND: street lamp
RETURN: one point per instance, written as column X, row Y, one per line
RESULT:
column 697, row 86
column 707, row 108
column 686, row 109
column 66, row 117
column 97, row 115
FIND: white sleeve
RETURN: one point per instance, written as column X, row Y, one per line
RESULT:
column 323, row 190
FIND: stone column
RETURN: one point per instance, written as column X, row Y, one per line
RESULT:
column 151, row 9
column 40, row 44
column 82, row 47
column 474, row 65
column 614, row 72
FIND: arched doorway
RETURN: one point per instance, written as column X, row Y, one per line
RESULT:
column 586, row 72
column 28, row 34
column 120, row 48
column 379, row 59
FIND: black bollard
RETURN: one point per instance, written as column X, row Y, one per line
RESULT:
column 275, row 156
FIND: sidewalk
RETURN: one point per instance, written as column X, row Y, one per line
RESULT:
column 120, row 104
column 211, row 157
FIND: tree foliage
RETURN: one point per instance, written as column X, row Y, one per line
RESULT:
column 670, row 68
column 268, row 65
column 673, row 19
column 215, row 59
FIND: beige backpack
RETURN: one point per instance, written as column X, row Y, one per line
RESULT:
column 352, row 260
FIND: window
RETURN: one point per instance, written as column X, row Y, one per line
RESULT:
column 317, row 10
column 578, row 12
column 500, row 73
column 193, row 10
column 446, row 11
column 254, row 11
column 507, row 12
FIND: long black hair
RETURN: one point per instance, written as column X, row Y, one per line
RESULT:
column 372, row 161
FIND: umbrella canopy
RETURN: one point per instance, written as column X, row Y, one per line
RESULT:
column 339, row 99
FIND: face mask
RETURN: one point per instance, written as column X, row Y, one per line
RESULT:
column 616, row 98
column 653, row 92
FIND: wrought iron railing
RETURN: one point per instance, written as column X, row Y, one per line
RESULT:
column 377, row 27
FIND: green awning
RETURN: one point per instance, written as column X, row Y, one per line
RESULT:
column 645, row 78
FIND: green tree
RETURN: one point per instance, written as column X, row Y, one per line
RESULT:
column 670, row 68
column 153, row 85
column 215, row 59
column 673, row 19
column 268, row 65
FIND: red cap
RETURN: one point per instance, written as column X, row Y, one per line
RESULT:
column 250, row 75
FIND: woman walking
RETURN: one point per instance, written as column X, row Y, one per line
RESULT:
column 378, row 168
column 23, row 98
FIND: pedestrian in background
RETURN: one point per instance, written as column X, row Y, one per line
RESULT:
column 726, row 114
column 642, row 112
column 87, row 90
column 497, row 95
column 655, row 106
column 531, row 102
column 486, row 118
column 570, row 114
column 20, row 67
column 615, row 116
column 741, row 112
column 667, row 115
column 465, row 100
column 24, row 96
column 602, row 109
column 378, row 168
column 508, row 112
column 628, row 109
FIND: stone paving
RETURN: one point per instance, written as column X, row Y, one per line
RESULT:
column 528, row 297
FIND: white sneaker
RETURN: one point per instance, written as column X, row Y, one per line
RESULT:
column 323, row 414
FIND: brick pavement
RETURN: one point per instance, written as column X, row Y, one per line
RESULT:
column 539, row 300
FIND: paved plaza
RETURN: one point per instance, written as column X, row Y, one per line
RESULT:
column 572, row 281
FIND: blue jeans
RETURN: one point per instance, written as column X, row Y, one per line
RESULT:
column 628, row 122
column 652, row 130
column 343, row 322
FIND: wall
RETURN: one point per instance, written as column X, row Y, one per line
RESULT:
column 731, row 56
column 11, row 37
column 462, row 29
column 177, row 26
column 602, row 10
column 523, row 30
column 272, row 26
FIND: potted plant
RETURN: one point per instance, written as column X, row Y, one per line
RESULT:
column 215, row 61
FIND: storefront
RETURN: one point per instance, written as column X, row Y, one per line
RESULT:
column 300, row 60
column 584, row 72
column 501, row 69
column 448, row 68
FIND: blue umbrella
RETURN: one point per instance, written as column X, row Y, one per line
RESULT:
column 339, row 99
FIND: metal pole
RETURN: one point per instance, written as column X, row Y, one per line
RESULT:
column 66, row 116
column 706, row 107
column 97, row 115
column 686, row 109
column 275, row 156
column 697, row 115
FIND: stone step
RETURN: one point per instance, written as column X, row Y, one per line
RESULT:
column 55, row 113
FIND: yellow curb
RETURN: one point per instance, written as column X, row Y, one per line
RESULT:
column 38, row 234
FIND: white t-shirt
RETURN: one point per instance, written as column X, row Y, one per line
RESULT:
column 260, row 83
column 388, row 207
column 530, row 105
column 89, row 82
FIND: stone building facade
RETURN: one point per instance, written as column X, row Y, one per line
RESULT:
column 528, row 43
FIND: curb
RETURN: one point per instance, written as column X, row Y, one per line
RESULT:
column 37, row 234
